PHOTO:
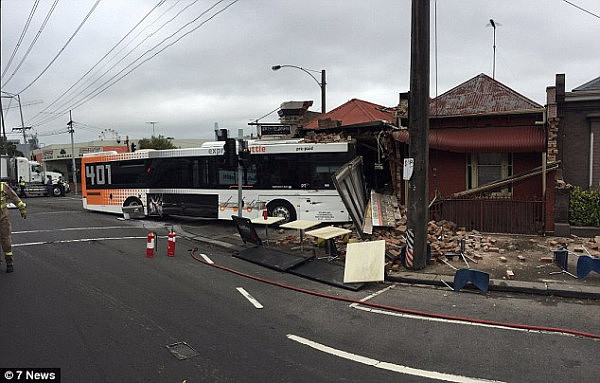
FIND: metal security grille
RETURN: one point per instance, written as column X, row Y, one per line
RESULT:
column 492, row 215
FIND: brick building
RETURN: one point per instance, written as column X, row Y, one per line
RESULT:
column 487, row 156
column 574, row 120
column 486, row 160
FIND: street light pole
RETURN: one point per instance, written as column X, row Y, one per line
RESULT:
column 152, row 123
column 494, row 24
column 322, row 84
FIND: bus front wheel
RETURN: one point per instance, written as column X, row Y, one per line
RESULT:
column 56, row 192
column 281, row 208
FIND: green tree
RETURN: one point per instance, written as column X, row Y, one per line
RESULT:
column 8, row 148
column 157, row 143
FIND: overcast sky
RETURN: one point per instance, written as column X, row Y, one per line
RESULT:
column 221, row 71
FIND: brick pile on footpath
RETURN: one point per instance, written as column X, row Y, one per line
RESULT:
column 445, row 239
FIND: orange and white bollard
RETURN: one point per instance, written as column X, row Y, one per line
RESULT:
column 150, row 245
column 171, row 245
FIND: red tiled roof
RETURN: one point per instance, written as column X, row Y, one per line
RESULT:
column 484, row 140
column 480, row 95
column 353, row 112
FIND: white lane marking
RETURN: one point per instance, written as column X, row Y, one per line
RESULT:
column 75, row 240
column 208, row 260
column 453, row 321
column 74, row 229
column 249, row 297
column 368, row 297
column 386, row 365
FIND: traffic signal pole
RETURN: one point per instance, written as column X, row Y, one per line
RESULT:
column 418, row 127
column 240, row 171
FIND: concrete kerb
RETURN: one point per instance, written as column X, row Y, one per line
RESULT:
column 414, row 278
column 195, row 237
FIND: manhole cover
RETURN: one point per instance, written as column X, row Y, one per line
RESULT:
column 182, row 350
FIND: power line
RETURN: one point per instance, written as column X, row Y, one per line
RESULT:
column 99, row 61
column 74, row 96
column 64, row 46
column 581, row 8
column 133, row 49
column 113, row 80
column 25, row 28
column 31, row 45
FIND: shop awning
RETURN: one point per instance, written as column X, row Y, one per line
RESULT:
column 484, row 140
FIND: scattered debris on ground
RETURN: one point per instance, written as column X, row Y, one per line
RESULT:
column 505, row 256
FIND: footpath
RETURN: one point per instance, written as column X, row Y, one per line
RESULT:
column 531, row 276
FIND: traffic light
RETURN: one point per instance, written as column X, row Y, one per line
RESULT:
column 244, row 154
column 132, row 147
column 230, row 152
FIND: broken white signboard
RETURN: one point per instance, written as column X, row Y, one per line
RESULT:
column 365, row 262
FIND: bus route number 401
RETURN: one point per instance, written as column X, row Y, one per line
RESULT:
column 98, row 174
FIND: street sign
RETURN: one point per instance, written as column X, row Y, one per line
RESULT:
column 409, row 164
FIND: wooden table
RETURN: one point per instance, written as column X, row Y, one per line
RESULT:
column 328, row 233
column 301, row 225
column 268, row 221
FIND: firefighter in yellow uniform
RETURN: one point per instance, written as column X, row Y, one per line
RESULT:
column 6, row 192
column 22, row 186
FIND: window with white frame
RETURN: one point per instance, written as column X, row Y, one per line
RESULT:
column 483, row 168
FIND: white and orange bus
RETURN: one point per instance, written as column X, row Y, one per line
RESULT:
column 293, row 178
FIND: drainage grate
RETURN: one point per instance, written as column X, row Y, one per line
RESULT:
column 182, row 350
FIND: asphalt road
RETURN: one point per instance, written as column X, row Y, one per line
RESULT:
column 86, row 299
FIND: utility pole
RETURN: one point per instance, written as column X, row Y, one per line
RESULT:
column 2, row 116
column 3, row 134
column 418, row 127
column 23, row 128
column 71, row 131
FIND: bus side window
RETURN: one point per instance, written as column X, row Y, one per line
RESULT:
column 283, row 171
column 195, row 176
column 322, row 173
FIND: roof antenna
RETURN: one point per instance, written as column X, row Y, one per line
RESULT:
column 493, row 24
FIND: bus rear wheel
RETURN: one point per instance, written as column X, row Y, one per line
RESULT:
column 281, row 208
column 132, row 201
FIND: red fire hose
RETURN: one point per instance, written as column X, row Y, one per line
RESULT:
column 398, row 309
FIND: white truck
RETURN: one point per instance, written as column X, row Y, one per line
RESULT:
column 34, row 175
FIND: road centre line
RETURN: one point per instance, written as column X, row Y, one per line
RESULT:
column 74, row 229
column 249, row 297
column 74, row 241
column 386, row 365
